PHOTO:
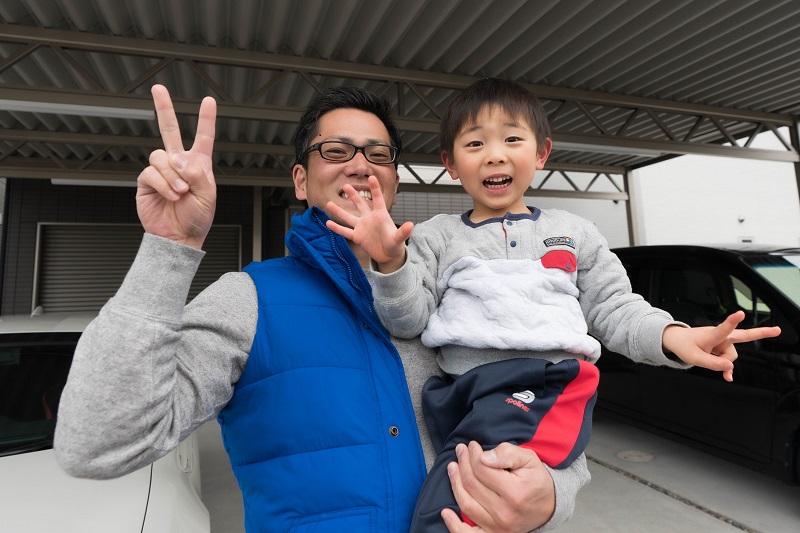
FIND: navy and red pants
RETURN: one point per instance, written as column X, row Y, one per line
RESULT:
column 533, row 403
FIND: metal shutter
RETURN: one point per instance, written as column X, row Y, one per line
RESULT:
column 80, row 266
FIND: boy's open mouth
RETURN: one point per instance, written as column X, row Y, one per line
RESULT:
column 498, row 182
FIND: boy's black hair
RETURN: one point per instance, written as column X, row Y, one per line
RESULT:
column 509, row 96
column 342, row 98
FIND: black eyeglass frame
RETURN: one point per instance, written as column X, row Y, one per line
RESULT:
column 393, row 151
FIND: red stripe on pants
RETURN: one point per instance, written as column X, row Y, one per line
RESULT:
column 559, row 429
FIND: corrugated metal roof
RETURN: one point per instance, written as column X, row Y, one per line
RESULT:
column 663, row 76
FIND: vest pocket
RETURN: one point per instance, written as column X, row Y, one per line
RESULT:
column 346, row 521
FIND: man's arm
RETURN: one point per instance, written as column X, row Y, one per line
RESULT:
column 146, row 372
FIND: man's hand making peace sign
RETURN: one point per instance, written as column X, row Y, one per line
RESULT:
column 176, row 195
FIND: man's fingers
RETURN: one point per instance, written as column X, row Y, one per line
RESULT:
column 452, row 521
column 167, row 121
column 509, row 457
column 493, row 467
column 184, row 170
column 467, row 489
column 455, row 525
column 466, row 503
column 166, row 166
column 151, row 179
column 206, row 124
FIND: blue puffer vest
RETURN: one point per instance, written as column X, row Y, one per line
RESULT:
column 320, row 431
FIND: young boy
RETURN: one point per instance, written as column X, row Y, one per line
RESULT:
column 513, row 296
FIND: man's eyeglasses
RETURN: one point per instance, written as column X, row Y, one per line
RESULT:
column 340, row 151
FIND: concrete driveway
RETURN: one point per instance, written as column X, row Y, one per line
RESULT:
column 644, row 483
column 640, row 483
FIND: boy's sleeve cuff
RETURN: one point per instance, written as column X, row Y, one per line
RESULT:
column 392, row 287
column 651, row 347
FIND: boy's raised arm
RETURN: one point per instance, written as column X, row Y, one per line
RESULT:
column 373, row 229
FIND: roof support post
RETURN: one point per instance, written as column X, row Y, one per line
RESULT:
column 258, row 218
column 630, row 210
column 795, row 138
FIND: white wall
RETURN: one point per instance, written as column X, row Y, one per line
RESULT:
column 609, row 217
column 700, row 199
column 689, row 199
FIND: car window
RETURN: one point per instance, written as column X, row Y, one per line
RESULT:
column 33, row 371
column 756, row 311
column 638, row 277
column 694, row 295
column 782, row 272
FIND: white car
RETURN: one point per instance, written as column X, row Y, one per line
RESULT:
column 36, row 496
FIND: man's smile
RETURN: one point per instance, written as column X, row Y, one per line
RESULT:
column 366, row 195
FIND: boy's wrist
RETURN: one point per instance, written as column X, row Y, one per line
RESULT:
column 393, row 265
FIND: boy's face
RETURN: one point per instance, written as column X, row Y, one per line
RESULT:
column 495, row 157
column 321, row 180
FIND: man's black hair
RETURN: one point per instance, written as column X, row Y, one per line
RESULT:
column 343, row 98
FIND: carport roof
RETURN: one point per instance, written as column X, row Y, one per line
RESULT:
column 625, row 82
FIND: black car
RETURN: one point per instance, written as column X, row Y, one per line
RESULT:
column 754, row 421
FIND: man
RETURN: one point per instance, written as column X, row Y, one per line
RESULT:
column 314, row 401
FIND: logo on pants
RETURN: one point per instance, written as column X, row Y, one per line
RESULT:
column 520, row 399
column 524, row 396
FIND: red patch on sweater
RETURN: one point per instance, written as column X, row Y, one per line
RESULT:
column 560, row 259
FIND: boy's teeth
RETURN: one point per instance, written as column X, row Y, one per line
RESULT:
column 496, row 182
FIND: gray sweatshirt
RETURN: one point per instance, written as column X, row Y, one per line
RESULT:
column 148, row 371
column 543, row 284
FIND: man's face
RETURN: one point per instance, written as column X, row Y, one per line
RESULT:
column 321, row 181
